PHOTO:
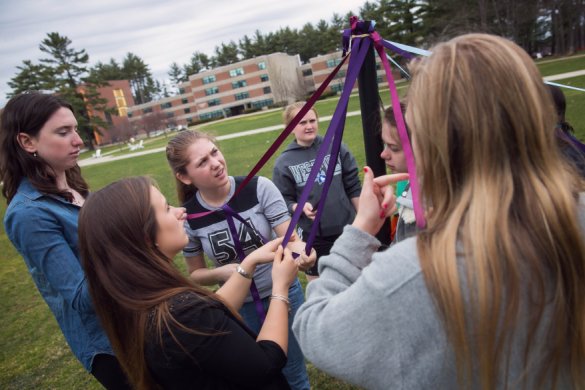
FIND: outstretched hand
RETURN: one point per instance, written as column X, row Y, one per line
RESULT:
column 377, row 201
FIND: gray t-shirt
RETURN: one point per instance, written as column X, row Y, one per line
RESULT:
column 260, row 204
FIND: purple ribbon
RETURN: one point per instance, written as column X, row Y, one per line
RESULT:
column 337, row 122
column 230, row 214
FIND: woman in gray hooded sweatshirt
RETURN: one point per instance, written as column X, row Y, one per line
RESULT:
column 491, row 294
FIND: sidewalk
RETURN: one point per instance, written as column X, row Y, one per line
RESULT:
column 567, row 75
column 99, row 160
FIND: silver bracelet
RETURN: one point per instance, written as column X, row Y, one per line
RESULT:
column 281, row 298
column 243, row 272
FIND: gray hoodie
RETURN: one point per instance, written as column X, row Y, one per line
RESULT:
column 290, row 174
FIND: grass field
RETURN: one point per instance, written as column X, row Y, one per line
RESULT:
column 33, row 353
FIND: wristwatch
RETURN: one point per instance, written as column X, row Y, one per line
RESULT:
column 243, row 272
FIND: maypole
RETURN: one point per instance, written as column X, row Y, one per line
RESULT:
column 371, row 121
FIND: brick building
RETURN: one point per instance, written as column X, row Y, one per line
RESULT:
column 249, row 84
column 119, row 97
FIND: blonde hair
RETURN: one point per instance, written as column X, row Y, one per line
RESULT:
column 503, row 231
column 289, row 112
column 178, row 159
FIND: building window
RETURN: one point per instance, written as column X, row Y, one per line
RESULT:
column 333, row 62
column 209, row 79
column 184, row 101
column 187, row 110
column 181, row 91
column 166, row 105
column 147, row 110
column 263, row 77
column 211, row 115
column 380, row 79
column 170, row 115
column 337, row 87
column 242, row 95
column 239, row 84
column 266, row 90
column 129, row 115
column 262, row 103
column 236, row 72
column 211, row 91
column 307, row 72
column 122, row 111
column 189, row 120
column 262, row 65
column 213, row 102
column 109, row 118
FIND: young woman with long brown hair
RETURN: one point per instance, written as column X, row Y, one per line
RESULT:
column 42, row 183
column 492, row 293
column 167, row 331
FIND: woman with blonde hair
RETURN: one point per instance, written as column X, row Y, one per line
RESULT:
column 492, row 293
column 290, row 173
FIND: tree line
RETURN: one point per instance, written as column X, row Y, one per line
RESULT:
column 554, row 27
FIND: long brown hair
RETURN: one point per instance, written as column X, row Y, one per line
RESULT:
column 178, row 159
column 28, row 113
column 503, row 252
column 128, row 276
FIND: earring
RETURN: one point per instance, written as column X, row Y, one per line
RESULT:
column 34, row 154
column 155, row 244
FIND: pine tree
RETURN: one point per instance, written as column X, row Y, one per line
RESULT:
column 31, row 77
column 66, row 73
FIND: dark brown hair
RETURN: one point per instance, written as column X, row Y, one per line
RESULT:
column 28, row 113
column 178, row 159
column 129, row 278
column 389, row 117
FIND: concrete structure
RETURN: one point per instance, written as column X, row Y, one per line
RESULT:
column 250, row 84
column 321, row 66
column 226, row 91
column 234, row 89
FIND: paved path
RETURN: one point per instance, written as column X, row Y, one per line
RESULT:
column 567, row 75
column 99, row 160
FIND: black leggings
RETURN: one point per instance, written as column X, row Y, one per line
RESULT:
column 107, row 370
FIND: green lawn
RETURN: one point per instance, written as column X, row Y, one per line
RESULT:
column 33, row 353
column 562, row 65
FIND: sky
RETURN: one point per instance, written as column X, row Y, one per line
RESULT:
column 158, row 31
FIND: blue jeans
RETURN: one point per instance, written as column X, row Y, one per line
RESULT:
column 295, row 370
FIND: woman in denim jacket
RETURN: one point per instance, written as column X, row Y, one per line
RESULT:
column 42, row 183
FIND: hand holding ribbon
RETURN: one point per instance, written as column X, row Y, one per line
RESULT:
column 304, row 261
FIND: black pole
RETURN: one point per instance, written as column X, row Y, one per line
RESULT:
column 370, row 108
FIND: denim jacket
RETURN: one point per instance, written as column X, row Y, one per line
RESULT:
column 43, row 228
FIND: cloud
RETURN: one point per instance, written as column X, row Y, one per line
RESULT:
column 159, row 32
